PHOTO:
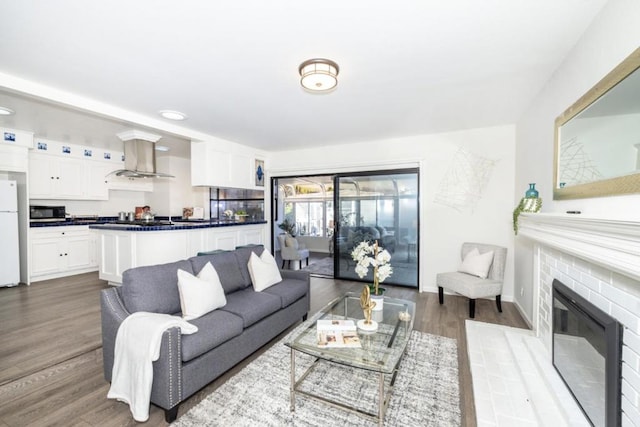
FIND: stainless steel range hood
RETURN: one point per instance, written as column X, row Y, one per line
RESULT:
column 139, row 156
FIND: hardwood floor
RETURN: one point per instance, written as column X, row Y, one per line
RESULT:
column 51, row 355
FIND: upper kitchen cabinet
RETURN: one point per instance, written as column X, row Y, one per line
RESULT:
column 225, row 164
column 97, row 185
column 52, row 177
column 70, row 172
column 14, row 148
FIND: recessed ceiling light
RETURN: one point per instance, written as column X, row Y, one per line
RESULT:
column 162, row 148
column 4, row 111
column 173, row 115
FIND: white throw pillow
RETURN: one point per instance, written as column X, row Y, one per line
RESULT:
column 291, row 242
column 202, row 294
column 263, row 270
column 477, row 264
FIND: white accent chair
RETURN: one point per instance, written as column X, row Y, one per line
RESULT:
column 291, row 250
column 474, row 287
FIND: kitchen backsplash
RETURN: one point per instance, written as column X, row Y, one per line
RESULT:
column 118, row 201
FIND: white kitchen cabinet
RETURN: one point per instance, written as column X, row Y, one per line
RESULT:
column 62, row 251
column 46, row 257
column 41, row 176
column 241, row 171
column 70, row 180
column 54, row 177
column 14, row 159
column 222, row 165
column 209, row 167
column 77, row 252
column 67, row 171
column 96, row 183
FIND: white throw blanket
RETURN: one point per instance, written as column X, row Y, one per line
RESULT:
column 137, row 346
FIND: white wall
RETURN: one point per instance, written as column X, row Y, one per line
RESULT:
column 443, row 229
column 613, row 35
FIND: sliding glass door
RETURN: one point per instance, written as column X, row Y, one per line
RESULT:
column 378, row 206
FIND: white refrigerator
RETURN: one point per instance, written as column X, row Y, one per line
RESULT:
column 9, row 246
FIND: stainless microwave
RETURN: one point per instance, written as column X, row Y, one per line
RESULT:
column 47, row 213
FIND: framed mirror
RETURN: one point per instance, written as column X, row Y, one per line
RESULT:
column 597, row 139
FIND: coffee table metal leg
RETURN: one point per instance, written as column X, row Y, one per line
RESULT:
column 381, row 402
column 293, row 381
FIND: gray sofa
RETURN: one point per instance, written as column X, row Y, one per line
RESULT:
column 225, row 336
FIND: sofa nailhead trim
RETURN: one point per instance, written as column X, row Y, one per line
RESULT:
column 117, row 312
column 170, row 370
column 179, row 370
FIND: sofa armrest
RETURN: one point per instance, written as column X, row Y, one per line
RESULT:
column 296, row 274
column 167, row 371
column 303, row 276
column 113, row 312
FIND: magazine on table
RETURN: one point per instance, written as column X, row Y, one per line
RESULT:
column 337, row 333
column 336, row 325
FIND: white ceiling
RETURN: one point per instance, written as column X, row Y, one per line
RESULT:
column 406, row 67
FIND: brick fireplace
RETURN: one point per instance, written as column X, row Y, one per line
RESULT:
column 599, row 260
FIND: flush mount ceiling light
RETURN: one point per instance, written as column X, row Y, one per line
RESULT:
column 4, row 111
column 173, row 115
column 318, row 75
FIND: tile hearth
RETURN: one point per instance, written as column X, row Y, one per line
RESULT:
column 514, row 382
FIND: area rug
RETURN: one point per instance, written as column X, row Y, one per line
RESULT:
column 425, row 394
column 321, row 268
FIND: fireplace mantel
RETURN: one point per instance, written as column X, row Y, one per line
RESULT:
column 612, row 244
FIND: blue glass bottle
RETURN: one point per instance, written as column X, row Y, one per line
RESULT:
column 531, row 193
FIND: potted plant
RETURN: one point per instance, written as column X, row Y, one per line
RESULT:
column 366, row 255
column 527, row 204
column 288, row 227
column 241, row 215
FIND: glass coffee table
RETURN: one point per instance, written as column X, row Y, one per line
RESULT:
column 381, row 351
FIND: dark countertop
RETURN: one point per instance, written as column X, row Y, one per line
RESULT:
column 70, row 222
column 109, row 223
column 177, row 225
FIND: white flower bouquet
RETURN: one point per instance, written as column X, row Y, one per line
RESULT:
column 368, row 255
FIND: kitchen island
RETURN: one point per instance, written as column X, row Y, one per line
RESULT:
column 124, row 246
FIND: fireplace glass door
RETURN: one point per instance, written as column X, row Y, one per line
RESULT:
column 586, row 354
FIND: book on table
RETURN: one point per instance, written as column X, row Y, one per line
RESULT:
column 336, row 325
column 337, row 333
